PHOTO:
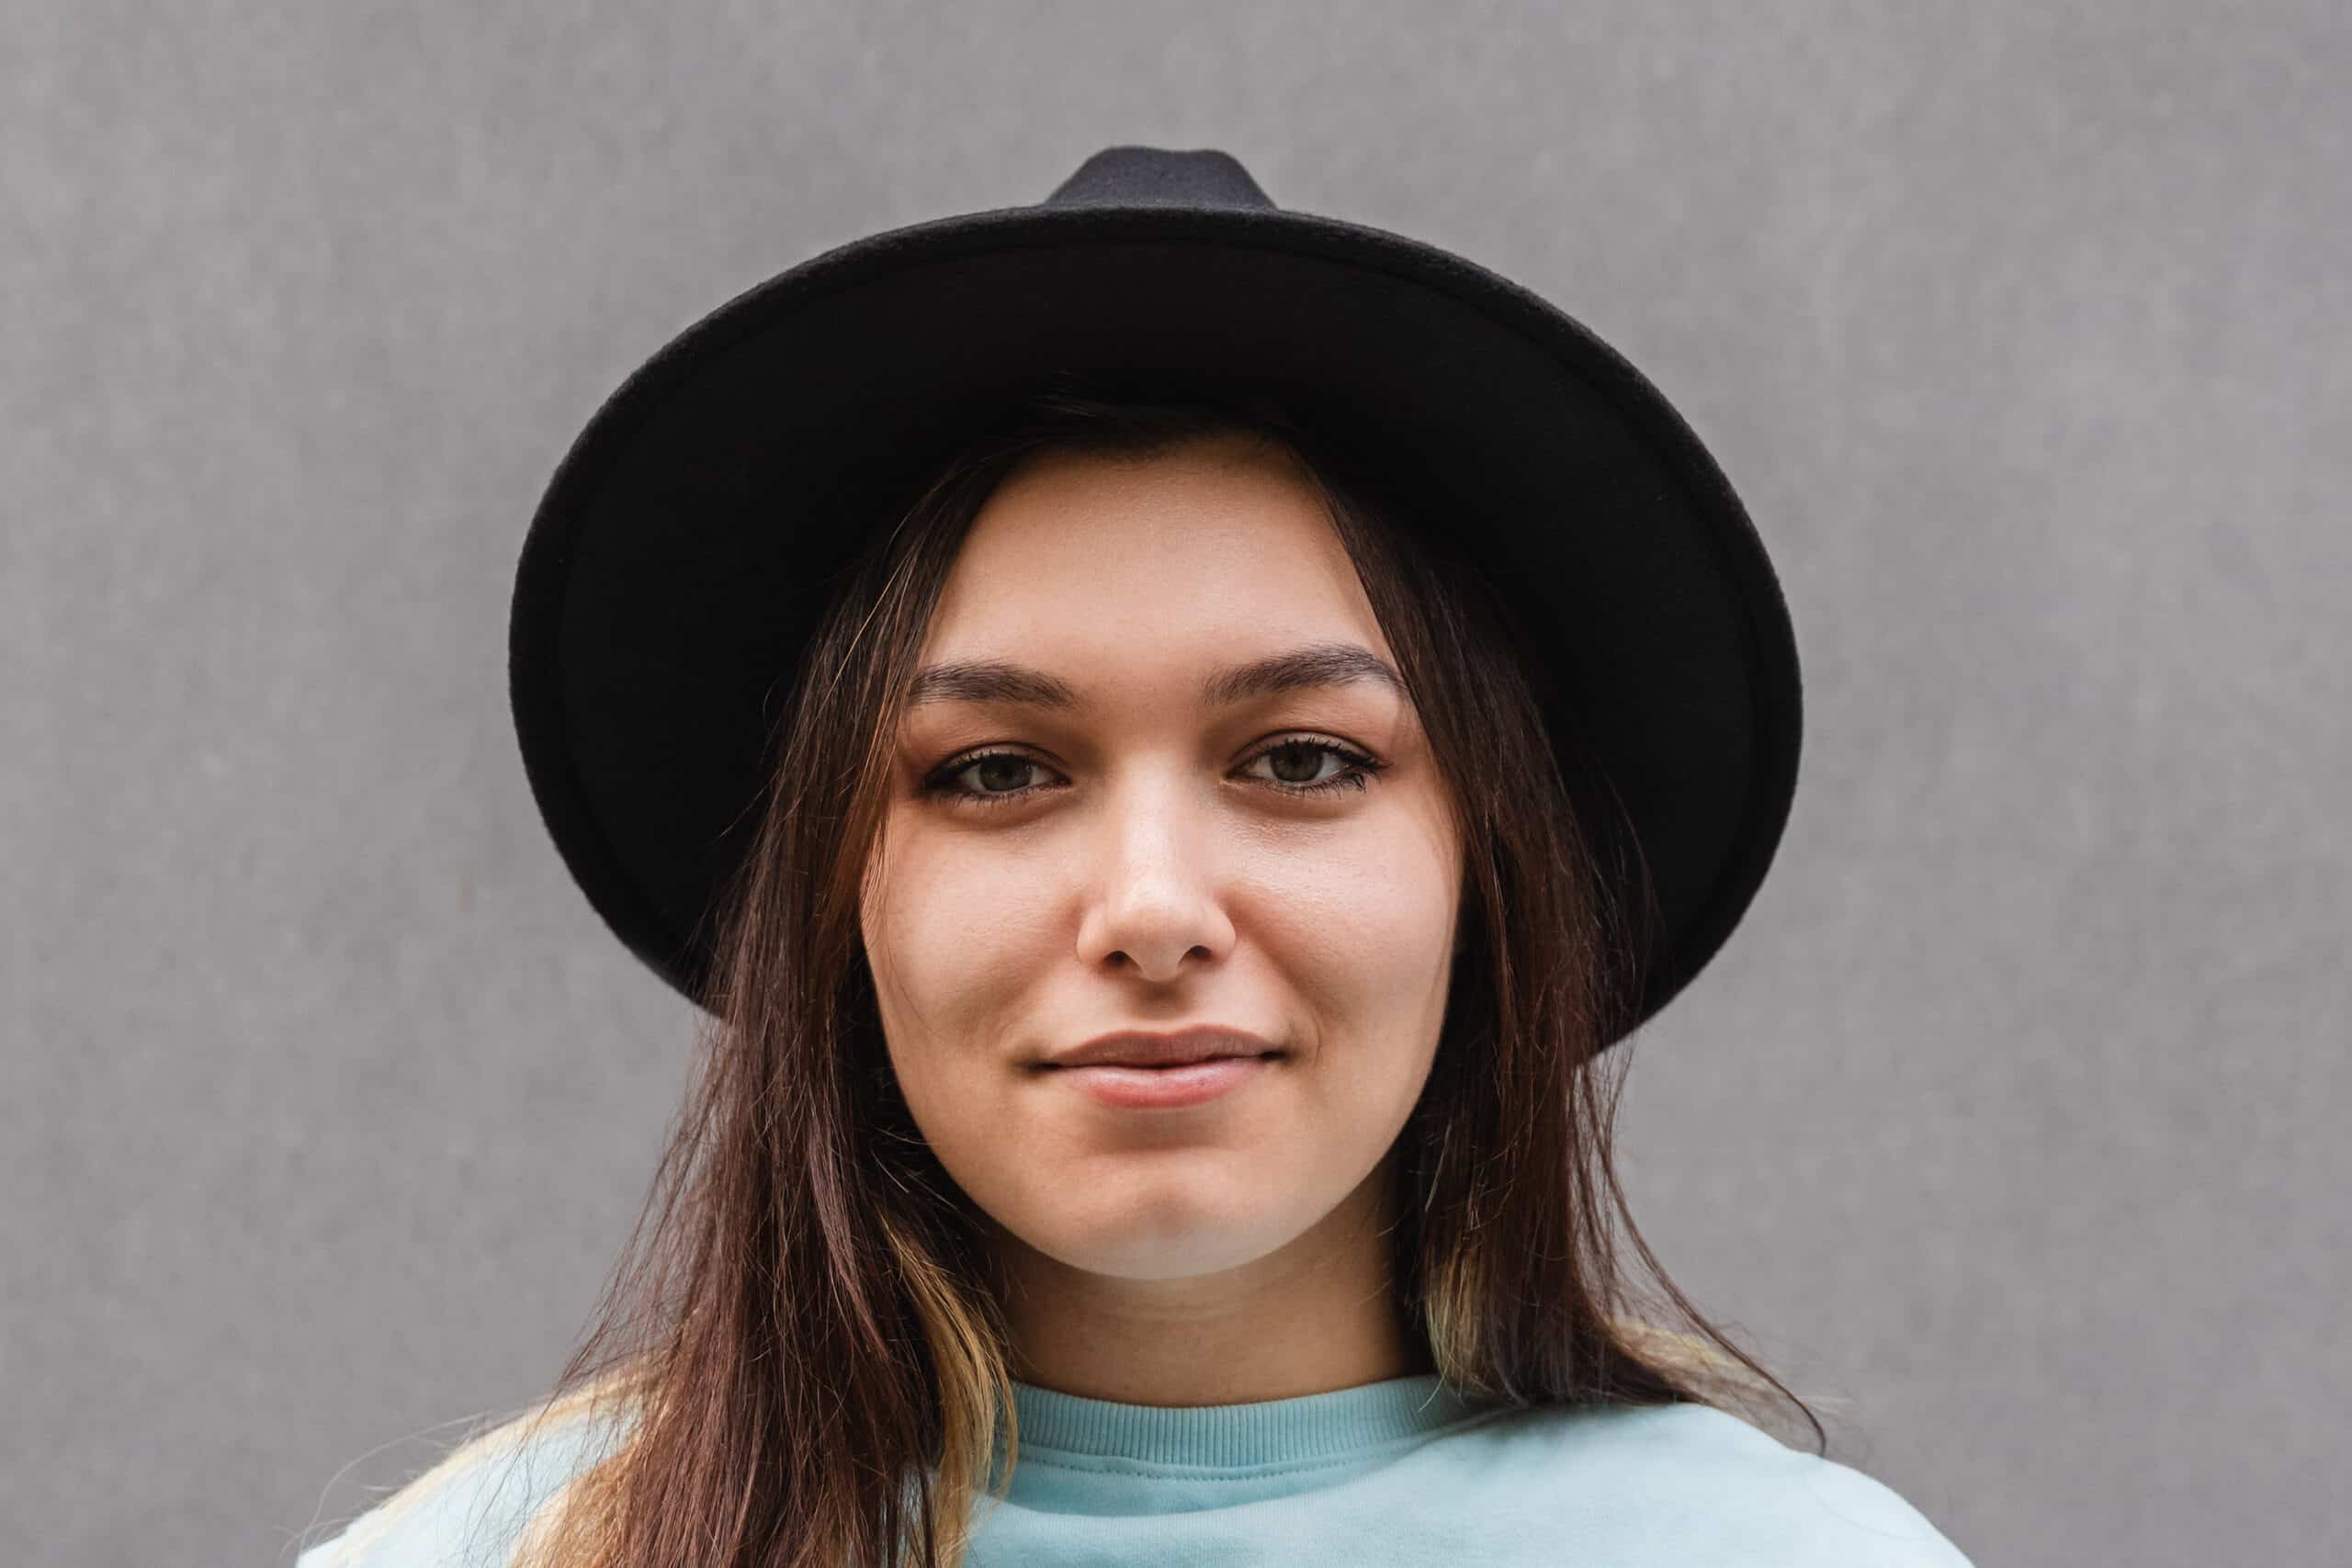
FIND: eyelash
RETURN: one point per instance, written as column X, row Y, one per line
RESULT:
column 1361, row 768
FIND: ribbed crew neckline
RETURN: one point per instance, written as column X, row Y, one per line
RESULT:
column 1304, row 1428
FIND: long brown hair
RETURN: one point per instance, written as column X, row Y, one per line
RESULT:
column 807, row 1344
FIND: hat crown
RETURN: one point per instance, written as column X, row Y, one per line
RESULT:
column 1159, row 176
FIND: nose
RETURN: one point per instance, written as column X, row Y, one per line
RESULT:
column 1151, row 896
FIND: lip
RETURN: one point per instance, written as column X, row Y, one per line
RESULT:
column 1139, row 1048
column 1167, row 1088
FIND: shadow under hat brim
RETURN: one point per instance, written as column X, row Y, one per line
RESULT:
column 680, row 555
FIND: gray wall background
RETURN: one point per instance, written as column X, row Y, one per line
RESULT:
column 2012, row 1116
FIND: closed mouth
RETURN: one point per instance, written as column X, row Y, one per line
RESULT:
column 1175, row 1066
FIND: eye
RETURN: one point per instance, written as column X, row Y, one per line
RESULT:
column 1287, row 756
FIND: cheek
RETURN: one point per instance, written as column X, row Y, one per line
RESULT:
column 944, row 913
column 1370, row 917
column 943, row 932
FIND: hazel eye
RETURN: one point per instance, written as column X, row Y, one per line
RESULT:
column 1297, row 764
column 1001, row 769
column 991, row 770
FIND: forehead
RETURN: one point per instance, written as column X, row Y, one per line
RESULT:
column 1201, row 577
column 1213, row 535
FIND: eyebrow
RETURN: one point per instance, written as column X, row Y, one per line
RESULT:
column 1312, row 667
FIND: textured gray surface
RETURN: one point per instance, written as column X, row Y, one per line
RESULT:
column 2012, row 1113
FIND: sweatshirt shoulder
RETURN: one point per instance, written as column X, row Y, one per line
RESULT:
column 1710, row 1488
column 470, row 1509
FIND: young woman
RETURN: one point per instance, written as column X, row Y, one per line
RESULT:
column 1167, row 738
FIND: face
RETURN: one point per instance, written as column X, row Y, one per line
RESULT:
column 1150, row 856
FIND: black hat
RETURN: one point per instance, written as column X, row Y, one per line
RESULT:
column 677, row 562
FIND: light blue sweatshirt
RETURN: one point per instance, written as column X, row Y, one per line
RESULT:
column 1399, row 1472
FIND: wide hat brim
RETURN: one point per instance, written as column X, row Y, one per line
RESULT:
column 678, row 560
